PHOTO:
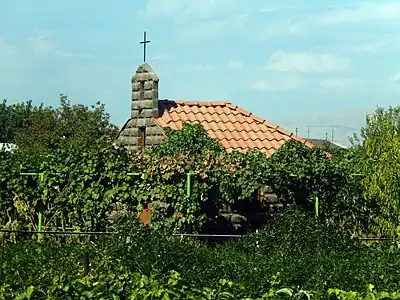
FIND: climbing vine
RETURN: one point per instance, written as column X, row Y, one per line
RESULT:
column 86, row 189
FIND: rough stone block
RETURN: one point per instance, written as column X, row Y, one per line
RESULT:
column 148, row 95
column 146, row 113
column 131, row 132
column 145, row 77
column 154, row 131
column 141, row 104
column 270, row 197
column 134, row 113
column 135, row 86
column 125, row 141
column 154, row 140
column 148, row 85
column 267, row 189
column 135, row 96
column 138, row 122
column 149, row 122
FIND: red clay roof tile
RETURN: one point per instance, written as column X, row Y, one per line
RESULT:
column 233, row 127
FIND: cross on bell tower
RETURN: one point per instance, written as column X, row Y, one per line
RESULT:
column 144, row 42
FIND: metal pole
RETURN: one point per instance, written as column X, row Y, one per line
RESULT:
column 174, row 234
column 200, row 235
column 188, row 185
column 189, row 193
column 40, row 215
column 356, row 174
column 1, row 258
column 57, row 232
column 133, row 174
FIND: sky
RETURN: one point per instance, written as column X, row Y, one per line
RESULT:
column 318, row 66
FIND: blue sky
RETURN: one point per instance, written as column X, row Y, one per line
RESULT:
column 305, row 64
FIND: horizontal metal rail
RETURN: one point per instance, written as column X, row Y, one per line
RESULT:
column 57, row 232
column 194, row 235
column 208, row 235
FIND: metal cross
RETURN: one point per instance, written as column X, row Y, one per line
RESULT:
column 144, row 42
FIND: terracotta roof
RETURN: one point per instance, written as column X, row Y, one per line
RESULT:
column 233, row 127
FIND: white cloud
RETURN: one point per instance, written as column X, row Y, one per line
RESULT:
column 199, row 20
column 43, row 43
column 202, row 30
column 366, row 11
column 395, row 80
column 377, row 14
column 6, row 49
column 268, row 9
column 200, row 67
column 240, row 19
column 307, row 62
column 339, row 84
column 160, row 57
column 191, row 10
column 189, row 67
column 371, row 47
column 278, row 83
column 235, row 64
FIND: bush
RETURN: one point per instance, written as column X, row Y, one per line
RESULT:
column 307, row 254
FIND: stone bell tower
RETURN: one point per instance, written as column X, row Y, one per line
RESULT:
column 141, row 129
column 144, row 93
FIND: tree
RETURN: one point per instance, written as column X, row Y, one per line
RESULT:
column 44, row 128
column 379, row 158
column 14, row 118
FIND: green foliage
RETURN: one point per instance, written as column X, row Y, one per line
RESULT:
column 378, row 160
column 15, row 118
column 190, row 140
column 84, row 185
column 294, row 257
column 370, row 293
column 39, row 129
column 300, row 175
column 80, row 188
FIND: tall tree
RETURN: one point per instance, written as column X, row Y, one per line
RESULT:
column 379, row 151
column 43, row 128
column 14, row 118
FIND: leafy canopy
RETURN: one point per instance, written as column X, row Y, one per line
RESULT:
column 379, row 162
column 43, row 128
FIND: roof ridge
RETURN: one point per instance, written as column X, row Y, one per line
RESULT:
column 201, row 103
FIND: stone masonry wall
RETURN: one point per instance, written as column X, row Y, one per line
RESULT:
column 144, row 108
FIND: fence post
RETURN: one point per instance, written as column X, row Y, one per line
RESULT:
column 40, row 215
column 86, row 263
column 1, row 257
column 189, row 194
column 189, row 184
